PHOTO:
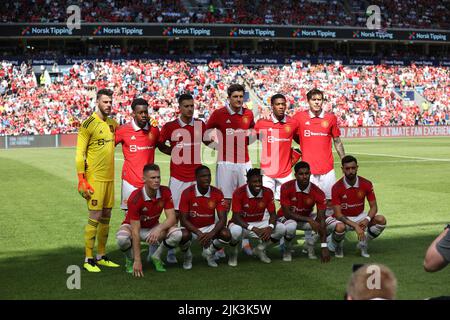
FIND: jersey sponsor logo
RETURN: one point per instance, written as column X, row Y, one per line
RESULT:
column 135, row 148
column 102, row 142
column 309, row 133
column 231, row 131
column 246, row 214
column 349, row 206
column 147, row 218
column 271, row 139
column 195, row 214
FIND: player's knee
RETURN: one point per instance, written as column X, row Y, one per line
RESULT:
column 123, row 240
column 379, row 219
column 225, row 235
column 340, row 228
column 236, row 232
column 174, row 237
column 291, row 228
column 186, row 236
column 279, row 232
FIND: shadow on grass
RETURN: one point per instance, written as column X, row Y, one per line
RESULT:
column 42, row 275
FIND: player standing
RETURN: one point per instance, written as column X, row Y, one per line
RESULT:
column 139, row 139
column 95, row 169
column 232, row 124
column 276, row 135
column 348, row 198
column 316, row 131
column 185, row 135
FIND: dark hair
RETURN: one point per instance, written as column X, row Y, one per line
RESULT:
column 301, row 164
column 185, row 96
column 200, row 168
column 277, row 96
column 151, row 167
column 104, row 92
column 235, row 87
column 138, row 102
column 253, row 172
column 314, row 92
column 348, row 159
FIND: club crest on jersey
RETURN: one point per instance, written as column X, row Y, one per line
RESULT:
column 94, row 202
column 324, row 124
column 211, row 204
column 245, row 120
column 261, row 204
column 360, row 194
column 287, row 129
column 308, row 201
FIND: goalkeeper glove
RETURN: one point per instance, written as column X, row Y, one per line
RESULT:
column 84, row 188
column 296, row 155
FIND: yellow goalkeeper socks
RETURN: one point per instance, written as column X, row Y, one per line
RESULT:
column 102, row 236
column 90, row 231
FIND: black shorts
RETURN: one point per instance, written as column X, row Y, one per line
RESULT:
column 443, row 246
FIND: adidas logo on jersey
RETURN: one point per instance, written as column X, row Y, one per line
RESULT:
column 246, row 205
column 228, row 121
column 344, row 196
column 294, row 199
column 101, row 131
column 133, row 138
column 195, row 204
column 307, row 123
column 145, row 209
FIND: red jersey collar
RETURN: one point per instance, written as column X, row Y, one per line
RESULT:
column 321, row 115
column 198, row 194
column 356, row 185
column 307, row 190
column 146, row 196
column 250, row 195
column 136, row 127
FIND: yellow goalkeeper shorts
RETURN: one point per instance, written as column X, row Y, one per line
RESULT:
column 103, row 196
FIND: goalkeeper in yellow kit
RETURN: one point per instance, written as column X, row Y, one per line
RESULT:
column 95, row 169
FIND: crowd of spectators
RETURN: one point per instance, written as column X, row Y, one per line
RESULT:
column 398, row 13
column 359, row 96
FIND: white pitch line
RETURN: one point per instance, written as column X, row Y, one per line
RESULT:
column 402, row 157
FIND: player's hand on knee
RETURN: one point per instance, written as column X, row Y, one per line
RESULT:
column 360, row 232
column 266, row 233
column 153, row 237
column 315, row 225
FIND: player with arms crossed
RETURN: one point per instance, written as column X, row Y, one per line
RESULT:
column 199, row 205
column 185, row 135
column 250, row 202
column 348, row 198
column 141, row 222
column 298, row 198
column 95, row 169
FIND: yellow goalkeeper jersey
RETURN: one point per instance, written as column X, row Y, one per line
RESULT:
column 95, row 148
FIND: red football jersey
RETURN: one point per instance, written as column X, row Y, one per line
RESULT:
column 201, row 209
column 147, row 210
column 276, row 137
column 233, row 145
column 351, row 199
column 315, row 135
column 138, row 147
column 252, row 208
column 303, row 201
column 186, row 142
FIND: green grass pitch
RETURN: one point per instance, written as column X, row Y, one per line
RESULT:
column 42, row 219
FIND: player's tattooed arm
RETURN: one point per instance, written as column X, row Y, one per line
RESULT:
column 187, row 224
column 339, row 145
column 237, row 219
column 323, row 228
